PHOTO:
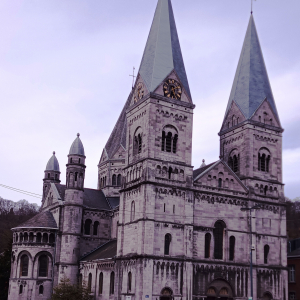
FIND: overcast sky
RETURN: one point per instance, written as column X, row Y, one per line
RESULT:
column 65, row 65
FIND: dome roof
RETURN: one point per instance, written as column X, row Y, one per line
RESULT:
column 52, row 164
column 77, row 147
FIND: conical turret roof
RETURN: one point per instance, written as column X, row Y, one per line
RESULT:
column 162, row 53
column 77, row 147
column 52, row 164
column 251, row 84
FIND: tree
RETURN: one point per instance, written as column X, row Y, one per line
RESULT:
column 5, row 265
column 67, row 291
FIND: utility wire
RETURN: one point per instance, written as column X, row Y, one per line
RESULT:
column 21, row 191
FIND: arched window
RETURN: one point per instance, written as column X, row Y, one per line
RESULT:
column 207, row 245
column 39, row 237
column 129, row 281
column 264, row 160
column 79, row 160
column 169, row 142
column 16, row 237
column 48, row 175
column 218, row 236
column 41, row 290
column 43, row 266
column 167, row 244
column 137, row 141
column 175, row 143
column 71, row 160
column 119, row 180
column 76, row 176
column 132, row 213
column 52, row 238
column 45, row 238
column 163, row 141
column 114, row 179
column 228, row 125
column 169, row 139
column 90, row 283
column 21, row 289
column 235, row 164
column 112, row 283
column 234, row 160
column 266, row 253
column 220, row 182
column 87, row 226
column 25, row 237
column 96, row 225
column 31, row 237
column 101, row 283
column 24, row 265
column 231, row 247
column 233, row 120
column 170, row 172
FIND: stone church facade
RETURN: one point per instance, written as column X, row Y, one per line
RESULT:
column 156, row 228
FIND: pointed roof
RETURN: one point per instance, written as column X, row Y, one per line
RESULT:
column 251, row 84
column 77, row 147
column 162, row 53
column 118, row 136
column 42, row 220
column 52, row 164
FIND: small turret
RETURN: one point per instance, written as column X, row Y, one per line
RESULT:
column 52, row 173
column 76, row 165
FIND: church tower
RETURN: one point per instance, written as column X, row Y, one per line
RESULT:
column 71, row 231
column 155, row 193
column 251, row 133
column 52, row 174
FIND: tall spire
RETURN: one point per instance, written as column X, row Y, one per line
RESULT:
column 162, row 53
column 251, row 84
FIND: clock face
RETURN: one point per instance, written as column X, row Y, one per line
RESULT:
column 172, row 89
column 139, row 93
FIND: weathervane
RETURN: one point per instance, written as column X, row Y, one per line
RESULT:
column 133, row 77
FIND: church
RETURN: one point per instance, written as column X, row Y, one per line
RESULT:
column 155, row 227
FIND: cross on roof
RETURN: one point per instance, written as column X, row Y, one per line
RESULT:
column 133, row 76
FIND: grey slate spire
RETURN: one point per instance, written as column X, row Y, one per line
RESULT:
column 162, row 52
column 77, row 147
column 52, row 164
column 251, row 84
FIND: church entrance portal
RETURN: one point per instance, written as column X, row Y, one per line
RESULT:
column 166, row 294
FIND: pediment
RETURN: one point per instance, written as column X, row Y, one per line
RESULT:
column 221, row 171
column 265, row 114
column 233, row 117
column 184, row 96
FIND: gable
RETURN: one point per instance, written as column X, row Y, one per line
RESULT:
column 265, row 114
column 52, row 196
column 140, row 90
column 103, row 157
column 234, row 117
column 221, row 171
column 119, row 154
column 173, row 75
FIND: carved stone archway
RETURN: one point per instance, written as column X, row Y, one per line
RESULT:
column 166, row 294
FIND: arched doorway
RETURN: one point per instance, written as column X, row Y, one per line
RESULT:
column 219, row 289
column 267, row 296
column 166, row 294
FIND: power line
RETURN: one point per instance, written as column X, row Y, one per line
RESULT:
column 21, row 191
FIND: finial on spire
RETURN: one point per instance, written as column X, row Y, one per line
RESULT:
column 53, row 152
column 78, row 134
